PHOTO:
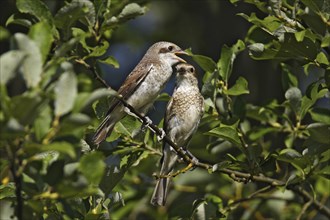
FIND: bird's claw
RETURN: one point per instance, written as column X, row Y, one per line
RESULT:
column 161, row 136
column 146, row 123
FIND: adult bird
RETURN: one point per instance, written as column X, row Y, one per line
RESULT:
column 142, row 85
column 182, row 117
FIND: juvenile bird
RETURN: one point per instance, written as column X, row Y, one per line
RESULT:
column 142, row 85
column 182, row 117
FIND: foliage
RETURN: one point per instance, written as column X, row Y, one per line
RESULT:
column 50, row 169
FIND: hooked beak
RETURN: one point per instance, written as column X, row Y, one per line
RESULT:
column 180, row 52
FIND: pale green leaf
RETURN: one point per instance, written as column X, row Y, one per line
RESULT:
column 9, row 64
column 41, row 34
column 32, row 65
column 65, row 90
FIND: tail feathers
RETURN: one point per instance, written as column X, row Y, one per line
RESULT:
column 160, row 192
column 103, row 130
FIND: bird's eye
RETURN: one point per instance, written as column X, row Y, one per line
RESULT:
column 170, row 48
column 191, row 70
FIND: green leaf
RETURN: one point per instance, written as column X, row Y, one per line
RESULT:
column 128, row 126
column 320, row 115
column 36, row 8
column 240, row 87
column 32, row 65
column 18, row 19
column 226, row 132
column 288, row 77
column 319, row 132
column 65, row 90
column 206, row 63
column 228, row 55
column 25, row 108
column 98, row 50
column 10, row 62
column 82, row 10
column 322, row 58
column 300, row 35
column 92, row 166
column 293, row 95
column 42, row 123
column 325, row 41
column 130, row 11
column 110, row 60
column 7, row 191
column 4, row 34
column 41, row 34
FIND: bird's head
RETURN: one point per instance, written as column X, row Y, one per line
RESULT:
column 167, row 52
column 185, row 71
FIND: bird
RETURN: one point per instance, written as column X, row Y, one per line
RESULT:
column 183, row 114
column 142, row 86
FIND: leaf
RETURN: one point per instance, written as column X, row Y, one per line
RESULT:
column 92, row 166
column 130, row 11
column 293, row 95
column 98, row 50
column 42, row 123
column 322, row 58
column 40, row 33
column 82, row 10
column 228, row 55
column 206, row 63
column 7, row 191
column 319, row 132
column 18, row 19
column 128, row 126
column 60, row 146
column 36, row 8
column 320, row 115
column 228, row 133
column 10, row 62
column 110, row 60
column 240, row 87
column 65, row 90
column 288, row 77
column 25, row 108
column 32, row 65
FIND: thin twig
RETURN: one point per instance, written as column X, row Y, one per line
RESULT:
column 236, row 175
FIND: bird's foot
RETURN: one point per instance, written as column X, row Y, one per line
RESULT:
column 161, row 137
column 146, row 123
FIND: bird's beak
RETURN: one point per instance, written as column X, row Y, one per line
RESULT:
column 180, row 52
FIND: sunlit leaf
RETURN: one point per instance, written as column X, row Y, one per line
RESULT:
column 10, row 62
column 32, row 65
column 65, row 90
column 240, row 87
column 109, row 61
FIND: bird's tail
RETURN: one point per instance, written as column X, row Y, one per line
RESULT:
column 160, row 192
column 104, row 129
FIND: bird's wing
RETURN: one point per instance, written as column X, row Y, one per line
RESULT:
column 132, row 82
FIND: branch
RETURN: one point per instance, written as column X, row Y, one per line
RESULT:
column 188, row 158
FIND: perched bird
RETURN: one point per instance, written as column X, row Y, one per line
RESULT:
column 142, row 85
column 182, row 117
